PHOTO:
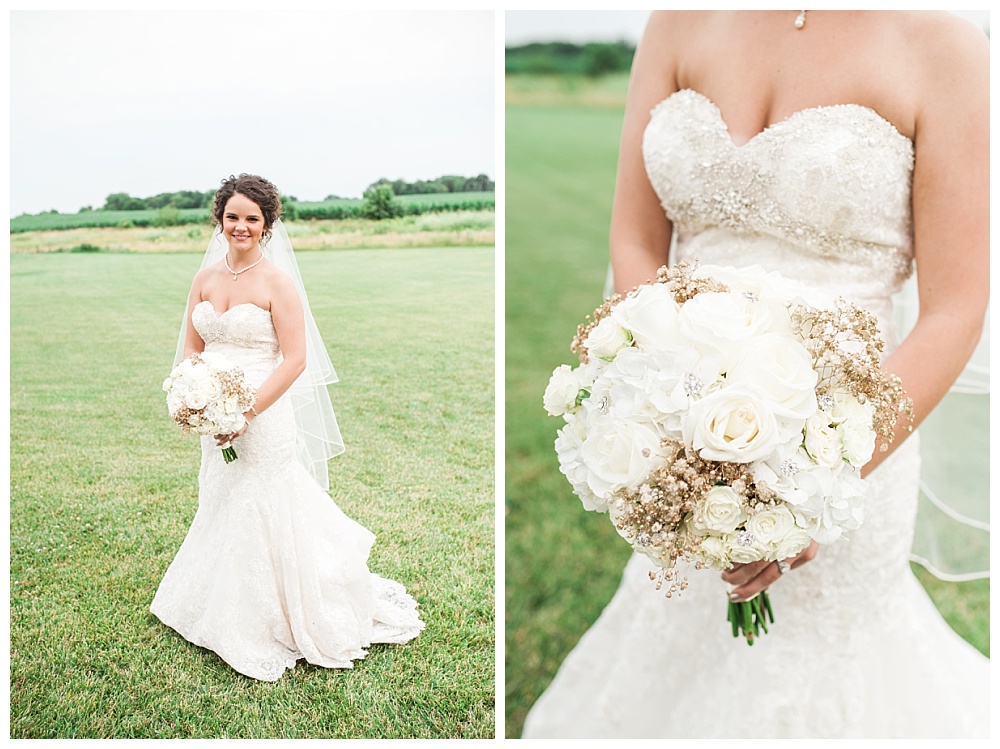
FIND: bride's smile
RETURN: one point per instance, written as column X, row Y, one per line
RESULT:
column 242, row 225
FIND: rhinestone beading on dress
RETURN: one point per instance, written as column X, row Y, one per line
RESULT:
column 832, row 182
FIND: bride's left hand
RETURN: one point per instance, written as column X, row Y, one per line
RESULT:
column 750, row 579
column 222, row 439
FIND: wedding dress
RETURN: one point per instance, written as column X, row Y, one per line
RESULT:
column 271, row 569
column 857, row 648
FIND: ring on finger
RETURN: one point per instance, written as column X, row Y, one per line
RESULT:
column 783, row 566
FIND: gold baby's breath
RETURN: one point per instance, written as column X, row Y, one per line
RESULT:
column 654, row 514
column 683, row 285
column 846, row 349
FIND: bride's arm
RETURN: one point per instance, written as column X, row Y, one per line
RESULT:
column 950, row 220
column 193, row 342
column 640, row 233
column 289, row 325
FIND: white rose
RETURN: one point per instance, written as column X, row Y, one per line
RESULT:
column 210, row 387
column 723, row 322
column 741, row 548
column 619, row 454
column 183, row 368
column 712, row 551
column 607, row 339
column 562, row 391
column 195, row 400
column 794, row 541
column 198, row 373
column 857, row 439
column 731, row 424
column 822, row 441
column 194, row 420
column 166, row 385
column 779, row 368
column 232, row 405
column 847, row 407
column 771, row 525
column 721, row 511
column 650, row 316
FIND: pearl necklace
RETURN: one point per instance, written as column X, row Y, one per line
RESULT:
column 800, row 20
column 225, row 259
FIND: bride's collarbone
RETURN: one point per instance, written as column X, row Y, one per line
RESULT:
column 223, row 298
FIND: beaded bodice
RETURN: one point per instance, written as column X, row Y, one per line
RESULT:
column 822, row 196
column 244, row 333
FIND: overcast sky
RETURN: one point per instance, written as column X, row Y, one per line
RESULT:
column 525, row 26
column 319, row 102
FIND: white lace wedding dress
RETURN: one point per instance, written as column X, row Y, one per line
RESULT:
column 857, row 648
column 271, row 569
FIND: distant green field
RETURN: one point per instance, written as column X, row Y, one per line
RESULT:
column 562, row 564
column 87, row 219
column 56, row 221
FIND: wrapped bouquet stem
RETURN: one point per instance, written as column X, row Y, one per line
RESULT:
column 208, row 394
column 721, row 416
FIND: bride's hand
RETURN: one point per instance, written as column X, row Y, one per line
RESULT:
column 222, row 439
column 750, row 579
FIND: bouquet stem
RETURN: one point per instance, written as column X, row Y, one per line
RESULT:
column 228, row 453
column 750, row 618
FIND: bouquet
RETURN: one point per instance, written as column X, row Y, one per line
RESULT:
column 720, row 417
column 208, row 394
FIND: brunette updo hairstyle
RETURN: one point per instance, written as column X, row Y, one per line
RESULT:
column 257, row 189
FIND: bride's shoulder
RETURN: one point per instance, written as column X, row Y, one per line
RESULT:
column 207, row 274
column 936, row 62
column 940, row 40
column 936, row 25
column 676, row 26
column 951, row 62
column 280, row 285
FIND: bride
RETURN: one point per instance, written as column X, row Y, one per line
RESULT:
column 839, row 149
column 271, row 570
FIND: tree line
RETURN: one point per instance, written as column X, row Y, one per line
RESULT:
column 592, row 59
column 446, row 183
column 182, row 199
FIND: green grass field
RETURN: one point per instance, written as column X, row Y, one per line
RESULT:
column 104, row 486
column 563, row 564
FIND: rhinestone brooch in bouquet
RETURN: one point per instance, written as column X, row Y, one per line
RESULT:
column 208, row 394
column 720, row 417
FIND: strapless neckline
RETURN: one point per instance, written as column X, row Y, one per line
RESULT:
column 220, row 315
column 822, row 196
column 778, row 125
